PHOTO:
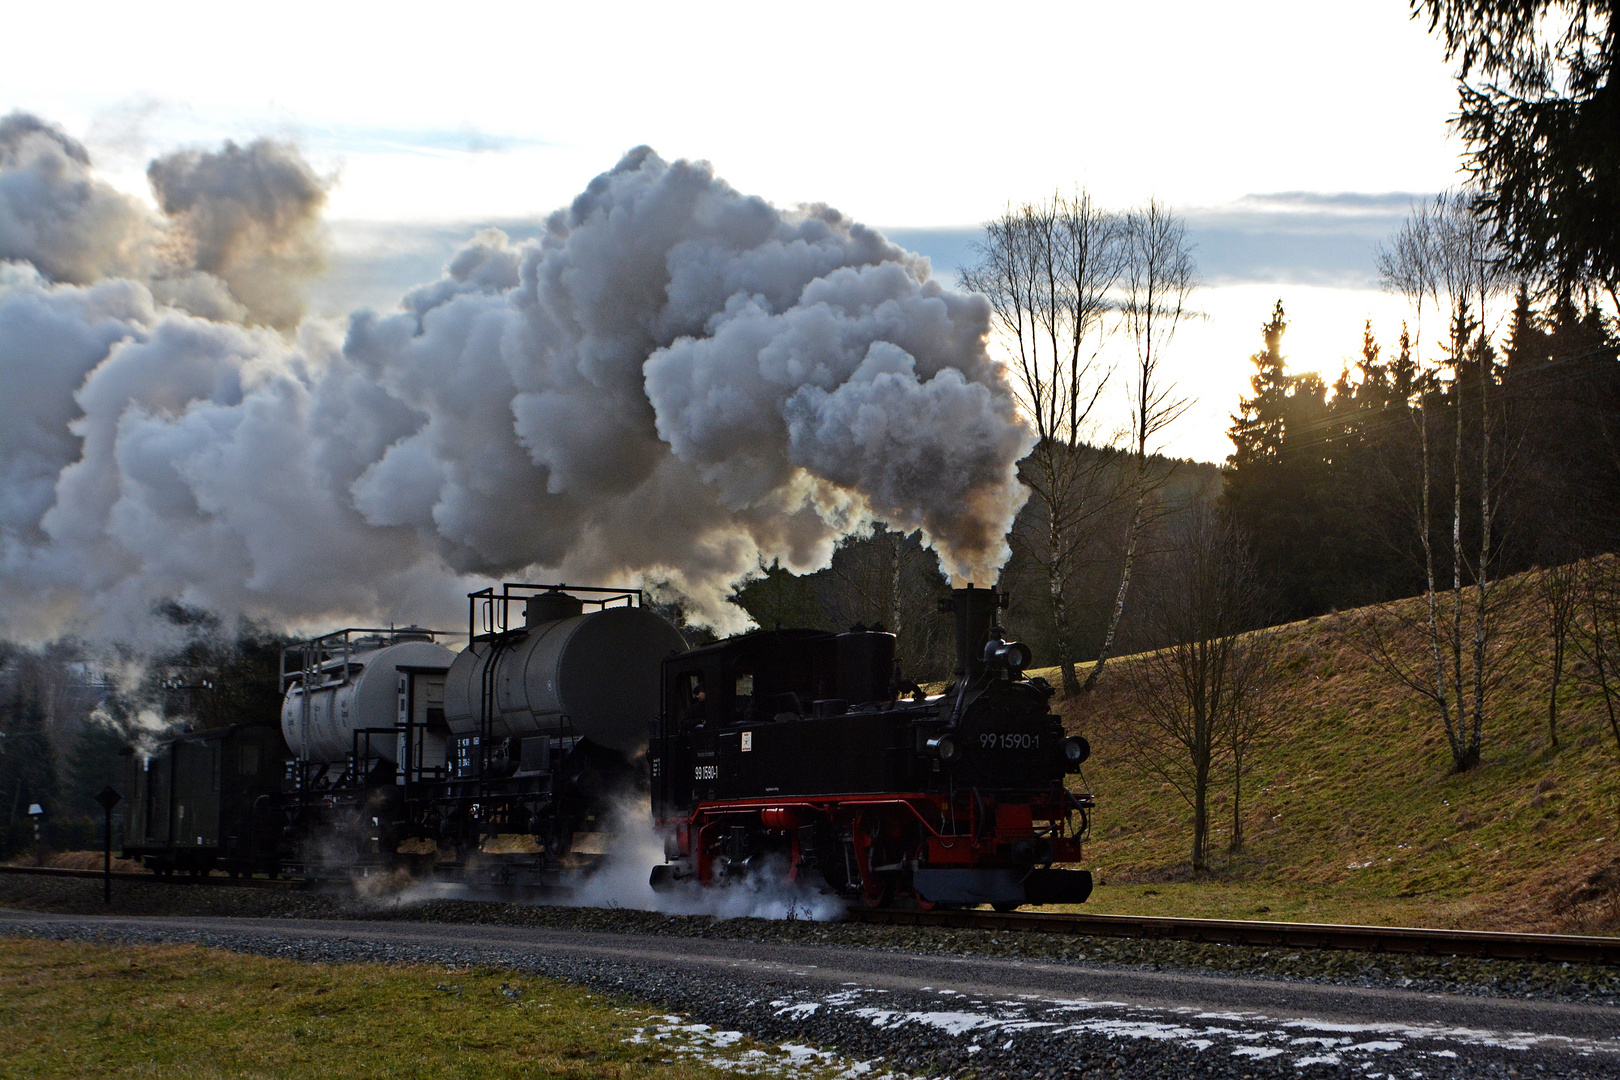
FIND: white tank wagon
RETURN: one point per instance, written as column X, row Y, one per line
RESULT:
column 345, row 691
column 566, row 672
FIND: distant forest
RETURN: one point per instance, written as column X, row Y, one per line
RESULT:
column 1327, row 481
column 65, row 727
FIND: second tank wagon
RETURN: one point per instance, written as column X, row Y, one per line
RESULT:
column 563, row 670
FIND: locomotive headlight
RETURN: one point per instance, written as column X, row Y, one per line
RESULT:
column 944, row 747
column 1014, row 655
column 1075, row 751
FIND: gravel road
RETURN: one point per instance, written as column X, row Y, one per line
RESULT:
column 959, row 1014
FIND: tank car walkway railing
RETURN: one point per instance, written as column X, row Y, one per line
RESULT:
column 1390, row 939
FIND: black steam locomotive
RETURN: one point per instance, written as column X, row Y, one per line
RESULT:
column 785, row 753
column 792, row 752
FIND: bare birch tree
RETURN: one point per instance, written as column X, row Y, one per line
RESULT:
column 1597, row 635
column 1558, row 595
column 1048, row 269
column 1253, row 714
column 1205, row 697
column 1443, row 257
column 1158, row 279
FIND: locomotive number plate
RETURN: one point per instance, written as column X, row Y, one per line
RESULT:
column 1009, row 740
column 706, row 772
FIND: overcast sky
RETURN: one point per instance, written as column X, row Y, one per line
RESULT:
column 1291, row 136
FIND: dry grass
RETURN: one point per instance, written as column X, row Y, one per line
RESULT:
column 1353, row 814
column 72, row 1011
column 88, row 860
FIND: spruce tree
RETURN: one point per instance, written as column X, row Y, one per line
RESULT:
column 1257, row 430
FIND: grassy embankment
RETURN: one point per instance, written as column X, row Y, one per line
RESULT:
column 72, row 1011
column 1352, row 812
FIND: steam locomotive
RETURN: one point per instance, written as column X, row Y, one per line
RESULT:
column 792, row 752
column 784, row 754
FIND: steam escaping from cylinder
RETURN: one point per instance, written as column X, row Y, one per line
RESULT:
column 636, row 847
column 675, row 384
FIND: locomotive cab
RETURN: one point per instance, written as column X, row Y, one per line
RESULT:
column 757, row 678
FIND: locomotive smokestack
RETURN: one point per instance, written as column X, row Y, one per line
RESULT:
column 975, row 611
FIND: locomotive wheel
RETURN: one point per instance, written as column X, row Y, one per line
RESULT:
column 1004, row 906
column 876, row 887
column 878, row 893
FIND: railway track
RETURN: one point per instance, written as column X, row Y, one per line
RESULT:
column 1387, row 939
column 1566, row 948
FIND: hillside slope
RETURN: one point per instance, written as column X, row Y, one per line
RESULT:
column 1352, row 812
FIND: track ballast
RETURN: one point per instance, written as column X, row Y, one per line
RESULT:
column 1566, row 948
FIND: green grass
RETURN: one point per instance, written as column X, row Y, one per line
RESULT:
column 74, row 1011
column 1353, row 813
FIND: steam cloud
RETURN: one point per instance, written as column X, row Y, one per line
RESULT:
column 247, row 216
column 671, row 384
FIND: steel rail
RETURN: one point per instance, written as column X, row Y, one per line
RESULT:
column 1375, row 939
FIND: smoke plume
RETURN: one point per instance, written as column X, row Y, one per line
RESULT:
column 673, row 384
column 249, row 216
column 55, row 213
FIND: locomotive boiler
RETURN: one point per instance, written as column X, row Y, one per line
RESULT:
column 792, row 754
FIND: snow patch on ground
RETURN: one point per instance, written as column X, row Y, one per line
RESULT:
column 1365, row 1047
column 676, row 1039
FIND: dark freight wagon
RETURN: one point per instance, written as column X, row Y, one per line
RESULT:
column 205, row 801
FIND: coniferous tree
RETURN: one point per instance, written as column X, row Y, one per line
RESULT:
column 1403, row 371
column 1257, row 430
column 218, row 678
column 1537, row 114
column 1277, row 482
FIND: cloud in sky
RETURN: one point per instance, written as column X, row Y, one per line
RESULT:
column 1319, row 239
column 1297, row 237
column 460, row 139
column 893, row 118
column 1285, row 238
